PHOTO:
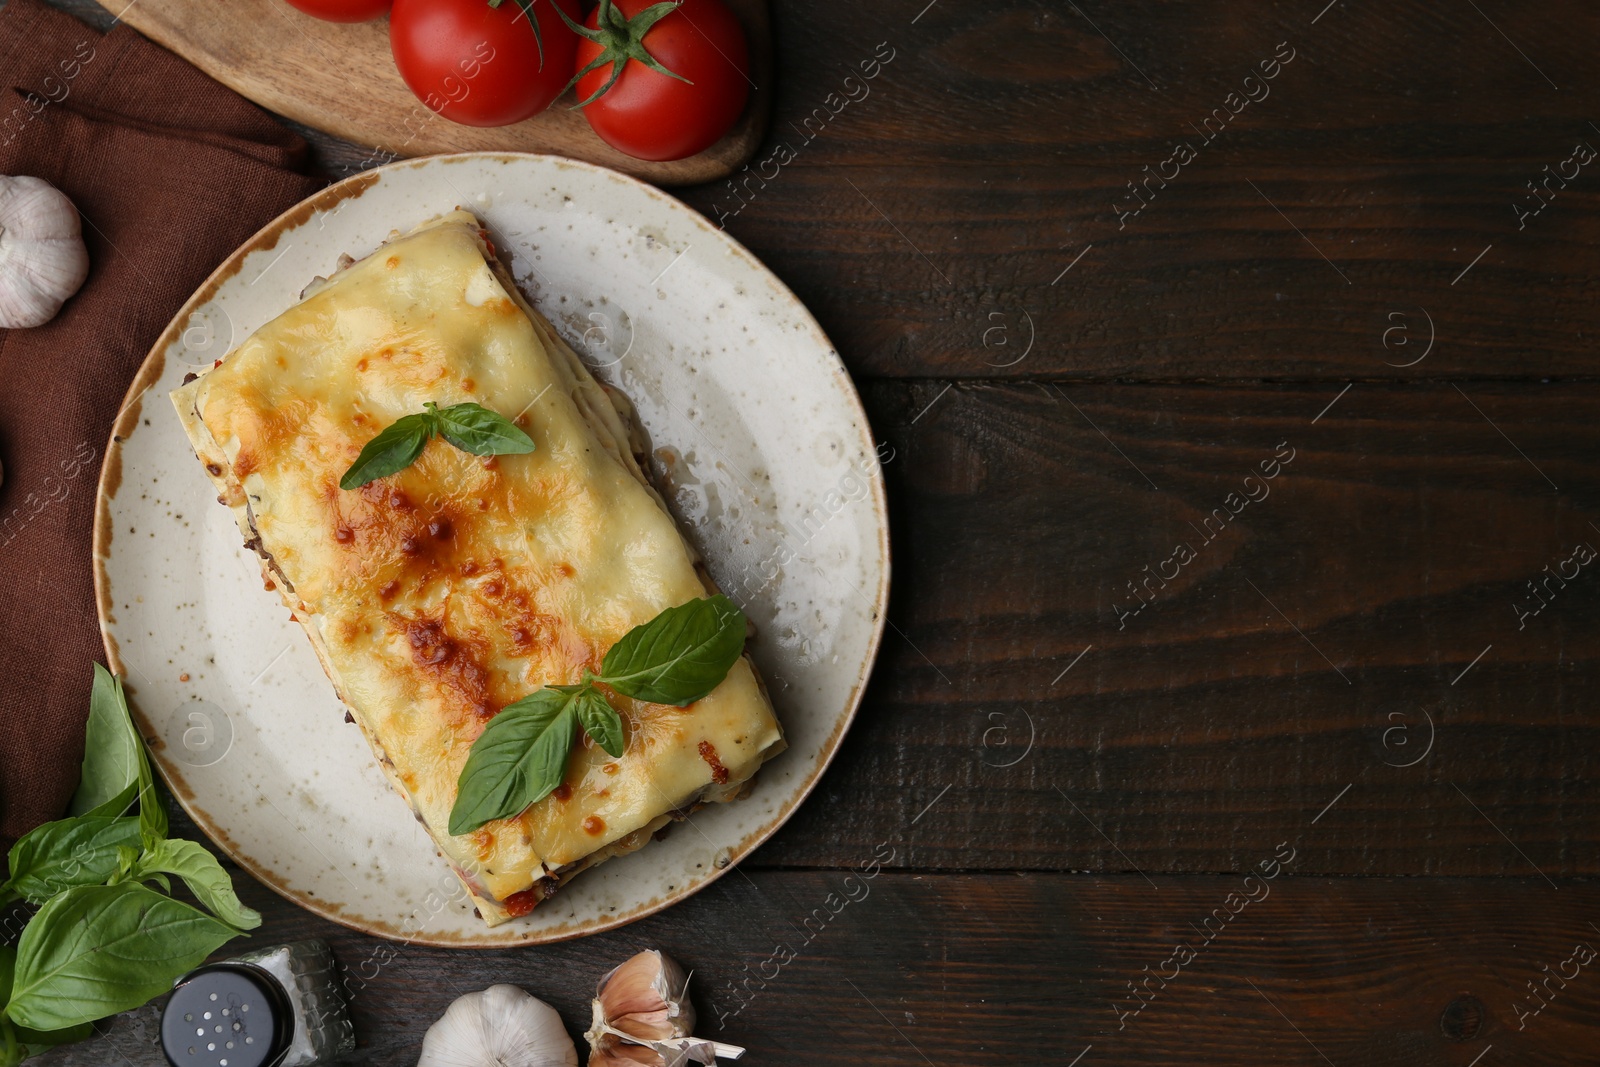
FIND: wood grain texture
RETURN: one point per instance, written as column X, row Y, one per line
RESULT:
column 1002, row 969
column 1000, row 143
column 1305, row 648
column 341, row 79
column 957, row 271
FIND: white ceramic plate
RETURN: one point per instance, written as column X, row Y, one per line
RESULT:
column 766, row 456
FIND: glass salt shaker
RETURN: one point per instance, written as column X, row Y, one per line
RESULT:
column 275, row 1007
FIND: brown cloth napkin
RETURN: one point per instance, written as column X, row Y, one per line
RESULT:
column 170, row 172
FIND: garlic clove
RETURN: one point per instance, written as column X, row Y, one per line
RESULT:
column 642, row 1015
column 646, row 998
column 499, row 1027
column 43, row 260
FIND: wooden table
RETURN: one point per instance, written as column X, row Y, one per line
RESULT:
column 1127, row 668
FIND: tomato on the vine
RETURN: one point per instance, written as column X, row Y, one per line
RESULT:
column 662, row 81
column 343, row 10
column 480, row 63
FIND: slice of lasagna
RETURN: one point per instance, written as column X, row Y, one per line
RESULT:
column 440, row 594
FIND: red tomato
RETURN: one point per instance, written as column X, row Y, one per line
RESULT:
column 480, row 65
column 343, row 10
column 649, row 115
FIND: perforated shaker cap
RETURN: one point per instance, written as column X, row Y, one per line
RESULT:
column 227, row 1015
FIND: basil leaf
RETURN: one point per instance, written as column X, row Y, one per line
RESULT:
column 30, row 1042
column 93, row 951
column 395, row 449
column 203, row 875
column 121, row 804
column 115, row 766
column 111, row 749
column 482, row 432
column 470, row 427
column 680, row 655
column 60, row 855
column 676, row 658
column 520, row 757
column 600, row 720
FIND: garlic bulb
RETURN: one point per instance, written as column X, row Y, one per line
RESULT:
column 42, row 258
column 642, row 1015
column 499, row 1027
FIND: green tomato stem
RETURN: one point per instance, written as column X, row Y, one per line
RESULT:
column 620, row 39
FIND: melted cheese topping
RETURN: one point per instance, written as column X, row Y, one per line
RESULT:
column 439, row 595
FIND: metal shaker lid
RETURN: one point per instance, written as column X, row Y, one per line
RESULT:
column 227, row 1015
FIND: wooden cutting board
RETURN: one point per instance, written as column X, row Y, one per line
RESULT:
column 342, row 79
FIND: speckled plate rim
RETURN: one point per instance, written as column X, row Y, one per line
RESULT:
column 110, row 481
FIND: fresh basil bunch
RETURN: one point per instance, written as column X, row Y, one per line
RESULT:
column 103, row 940
column 676, row 658
column 470, row 427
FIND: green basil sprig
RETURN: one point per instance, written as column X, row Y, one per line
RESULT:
column 470, row 427
column 103, row 941
column 680, row 655
column 113, row 758
column 96, row 950
column 520, row 758
column 203, row 875
column 115, row 767
column 67, row 853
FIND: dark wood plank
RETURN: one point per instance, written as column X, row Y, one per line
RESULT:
column 958, row 271
column 1305, row 648
column 1001, row 141
column 950, row 969
column 980, row 175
